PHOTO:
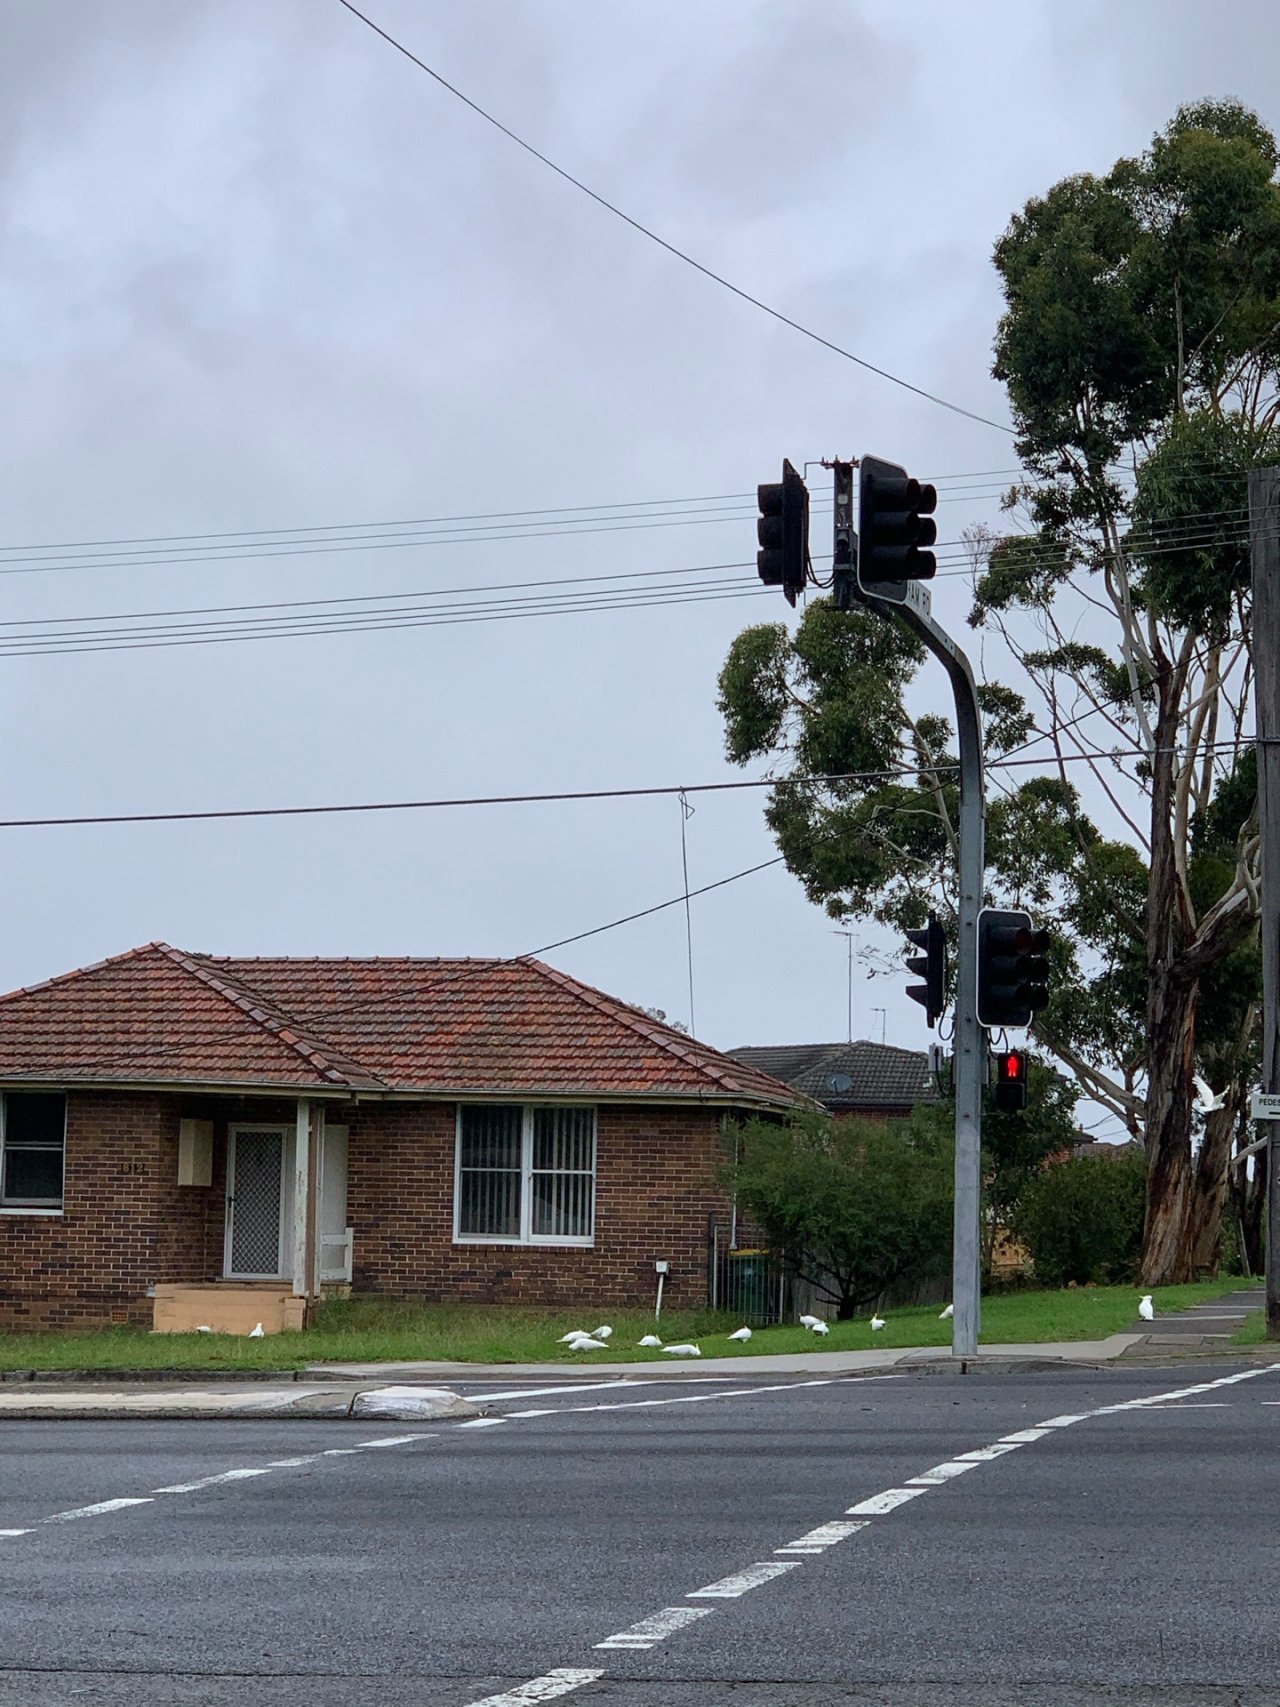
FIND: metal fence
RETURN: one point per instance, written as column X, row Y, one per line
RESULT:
column 749, row 1283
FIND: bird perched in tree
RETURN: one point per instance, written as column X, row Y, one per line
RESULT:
column 1208, row 1101
column 650, row 1340
column 1146, row 1309
column 947, row 1314
column 682, row 1351
column 743, row 1335
column 820, row 1328
column 877, row 1322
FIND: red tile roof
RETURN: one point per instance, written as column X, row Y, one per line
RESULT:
column 439, row 1027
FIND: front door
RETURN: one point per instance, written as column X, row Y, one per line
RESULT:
column 257, row 1242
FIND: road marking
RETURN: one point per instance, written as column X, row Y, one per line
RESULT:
column 983, row 1454
column 213, row 1481
column 1202, row 1405
column 695, row 1398
column 99, row 1510
column 656, row 1628
column 940, row 1473
column 1065, row 1422
column 483, row 1422
column 546, row 1688
column 15, row 1532
column 879, row 1504
column 391, row 1440
column 338, row 1452
column 742, row 1582
column 1024, row 1436
column 292, row 1463
column 587, row 1387
column 818, row 1540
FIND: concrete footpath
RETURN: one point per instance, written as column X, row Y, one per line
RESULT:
column 341, row 1391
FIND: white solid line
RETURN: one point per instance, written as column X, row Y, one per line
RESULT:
column 15, row 1532
column 741, row 1582
column 878, row 1504
column 656, row 1628
column 1065, row 1422
column 939, row 1474
column 338, row 1452
column 483, row 1422
column 393, row 1440
column 1024, row 1436
column 982, row 1454
column 292, row 1463
column 93, row 1510
column 546, row 1688
column 584, row 1387
column 213, row 1481
column 1200, row 1405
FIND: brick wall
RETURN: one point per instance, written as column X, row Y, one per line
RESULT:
column 655, row 1187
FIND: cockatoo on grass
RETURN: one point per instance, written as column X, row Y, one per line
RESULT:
column 1146, row 1309
column 603, row 1333
column 742, row 1335
column 947, row 1314
column 877, row 1322
column 204, row 1328
column 682, row 1351
column 257, row 1333
column 650, row 1340
column 584, row 1342
column 573, row 1334
column 820, row 1328
column 808, row 1321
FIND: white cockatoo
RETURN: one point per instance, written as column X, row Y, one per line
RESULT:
column 573, row 1334
column 257, row 1333
column 1208, row 1101
column 204, row 1328
column 585, row 1342
column 820, row 1328
column 947, row 1314
column 602, row 1333
column 1146, row 1309
column 809, row 1321
column 682, row 1351
column 650, row 1340
column 742, row 1335
column 877, row 1322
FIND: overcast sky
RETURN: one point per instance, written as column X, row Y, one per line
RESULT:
column 262, row 273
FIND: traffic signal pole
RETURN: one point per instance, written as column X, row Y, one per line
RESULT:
column 914, row 608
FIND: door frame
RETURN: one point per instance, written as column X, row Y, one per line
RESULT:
column 284, row 1244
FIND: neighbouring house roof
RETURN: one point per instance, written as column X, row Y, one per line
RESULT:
column 847, row 1075
column 438, row 1027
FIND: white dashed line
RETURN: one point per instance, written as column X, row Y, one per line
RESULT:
column 1064, row 1422
column 656, row 1628
column 940, row 1473
column 483, row 1422
column 742, row 1582
column 99, row 1510
column 1023, row 1437
column 292, row 1463
column 390, row 1440
column 15, row 1532
column 547, row 1688
column 818, row 1540
column 215, row 1481
column 984, row 1454
column 879, row 1504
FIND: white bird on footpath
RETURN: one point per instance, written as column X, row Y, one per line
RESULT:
column 819, row 1328
column 947, row 1313
column 809, row 1321
column 204, row 1328
column 257, row 1333
column 1208, row 1101
column 573, row 1334
column 742, row 1335
column 585, row 1343
column 602, row 1333
column 1146, row 1309
column 650, row 1340
column 877, row 1322
column 682, row 1350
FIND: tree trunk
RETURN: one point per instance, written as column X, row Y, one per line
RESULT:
column 1209, row 1190
column 1251, row 1202
column 1171, row 1014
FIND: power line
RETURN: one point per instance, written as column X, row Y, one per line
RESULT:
column 680, row 254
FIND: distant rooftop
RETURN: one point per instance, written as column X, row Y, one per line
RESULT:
column 859, row 1075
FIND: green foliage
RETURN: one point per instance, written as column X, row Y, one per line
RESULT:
column 854, row 1206
column 1082, row 1220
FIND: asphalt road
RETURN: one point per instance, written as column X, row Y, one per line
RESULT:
column 1127, row 1556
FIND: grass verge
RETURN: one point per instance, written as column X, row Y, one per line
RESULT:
column 360, row 1330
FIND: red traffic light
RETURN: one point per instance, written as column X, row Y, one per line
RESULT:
column 1011, row 1080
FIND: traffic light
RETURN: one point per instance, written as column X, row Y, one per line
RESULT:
column 783, row 532
column 1013, row 972
column 931, row 966
column 1011, row 1081
column 895, row 524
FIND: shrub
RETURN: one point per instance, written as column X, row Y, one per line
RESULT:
column 1082, row 1220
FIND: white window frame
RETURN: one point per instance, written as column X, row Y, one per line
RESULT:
column 526, row 1235
column 34, row 1206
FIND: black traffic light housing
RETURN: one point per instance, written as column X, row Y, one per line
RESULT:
column 783, row 532
column 895, row 526
column 1011, row 1081
column 931, row 966
column 1013, row 972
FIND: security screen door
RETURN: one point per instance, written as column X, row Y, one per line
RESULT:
column 256, row 1202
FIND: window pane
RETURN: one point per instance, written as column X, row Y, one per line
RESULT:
column 561, row 1206
column 35, row 1117
column 33, row 1176
column 491, row 1137
column 563, row 1138
column 489, row 1202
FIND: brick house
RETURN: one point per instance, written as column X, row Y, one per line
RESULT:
column 207, row 1137
column 876, row 1079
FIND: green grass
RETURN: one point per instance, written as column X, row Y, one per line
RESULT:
column 1253, row 1330
column 374, row 1331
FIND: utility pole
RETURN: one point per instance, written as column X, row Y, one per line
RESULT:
column 1264, row 536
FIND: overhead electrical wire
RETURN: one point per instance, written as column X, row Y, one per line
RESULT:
column 662, row 242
